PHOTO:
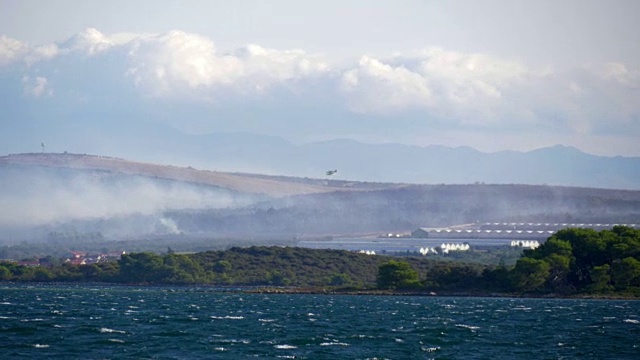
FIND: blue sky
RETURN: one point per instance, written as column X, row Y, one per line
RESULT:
column 493, row 75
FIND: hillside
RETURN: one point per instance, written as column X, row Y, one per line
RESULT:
column 246, row 152
column 245, row 183
column 76, row 198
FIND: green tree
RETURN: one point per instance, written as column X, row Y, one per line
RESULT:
column 601, row 279
column 222, row 266
column 627, row 243
column 340, row 279
column 397, row 275
column 181, row 269
column 497, row 278
column 530, row 274
column 141, row 268
column 5, row 274
column 277, row 278
column 42, row 274
column 90, row 272
column 589, row 249
column 625, row 273
column 559, row 267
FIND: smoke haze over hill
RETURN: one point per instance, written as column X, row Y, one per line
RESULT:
column 76, row 194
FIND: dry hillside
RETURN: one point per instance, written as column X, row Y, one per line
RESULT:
column 246, row 183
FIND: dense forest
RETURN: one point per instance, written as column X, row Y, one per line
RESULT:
column 570, row 262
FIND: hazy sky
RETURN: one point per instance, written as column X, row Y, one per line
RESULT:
column 494, row 75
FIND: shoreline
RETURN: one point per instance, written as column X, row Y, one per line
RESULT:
column 374, row 292
column 270, row 290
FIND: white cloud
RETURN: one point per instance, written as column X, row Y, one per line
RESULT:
column 265, row 66
column 479, row 90
column 432, row 86
column 175, row 62
column 92, row 42
column 377, row 87
column 44, row 52
column 160, row 64
column 37, row 87
column 11, row 50
column 602, row 98
column 14, row 51
column 447, row 84
column 620, row 73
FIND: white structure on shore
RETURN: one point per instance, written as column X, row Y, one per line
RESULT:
column 428, row 250
column 525, row 244
column 367, row 252
column 444, row 249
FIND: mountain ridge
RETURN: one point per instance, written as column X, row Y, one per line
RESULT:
column 257, row 153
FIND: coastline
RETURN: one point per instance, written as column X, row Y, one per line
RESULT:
column 375, row 292
column 247, row 289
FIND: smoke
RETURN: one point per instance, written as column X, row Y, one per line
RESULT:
column 168, row 226
column 41, row 196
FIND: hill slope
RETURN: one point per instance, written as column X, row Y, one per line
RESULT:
column 65, row 196
column 232, row 181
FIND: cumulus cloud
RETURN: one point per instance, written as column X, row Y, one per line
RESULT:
column 14, row 51
column 166, row 65
column 91, row 41
column 449, row 84
column 620, row 73
column 479, row 90
column 11, row 50
column 37, row 87
column 377, row 87
column 453, row 90
column 177, row 60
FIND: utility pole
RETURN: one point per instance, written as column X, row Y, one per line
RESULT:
column 43, row 145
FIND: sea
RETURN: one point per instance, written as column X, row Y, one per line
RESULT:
column 123, row 322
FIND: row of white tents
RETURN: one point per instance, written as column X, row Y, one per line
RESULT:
column 458, row 231
column 443, row 249
column 367, row 252
column 446, row 248
column 558, row 225
column 526, row 244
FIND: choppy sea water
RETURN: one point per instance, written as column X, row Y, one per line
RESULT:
column 103, row 322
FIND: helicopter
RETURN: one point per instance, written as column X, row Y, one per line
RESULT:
column 331, row 172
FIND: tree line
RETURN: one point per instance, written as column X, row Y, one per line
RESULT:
column 571, row 261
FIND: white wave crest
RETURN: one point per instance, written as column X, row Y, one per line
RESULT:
column 227, row 317
column 430, row 349
column 107, row 330
column 333, row 344
column 470, row 327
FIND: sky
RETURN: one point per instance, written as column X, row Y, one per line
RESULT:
column 493, row 75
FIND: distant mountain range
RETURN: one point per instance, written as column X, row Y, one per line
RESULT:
column 558, row 165
column 355, row 161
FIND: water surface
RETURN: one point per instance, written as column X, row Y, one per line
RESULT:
column 111, row 322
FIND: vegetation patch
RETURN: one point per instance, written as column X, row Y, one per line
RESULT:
column 571, row 262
